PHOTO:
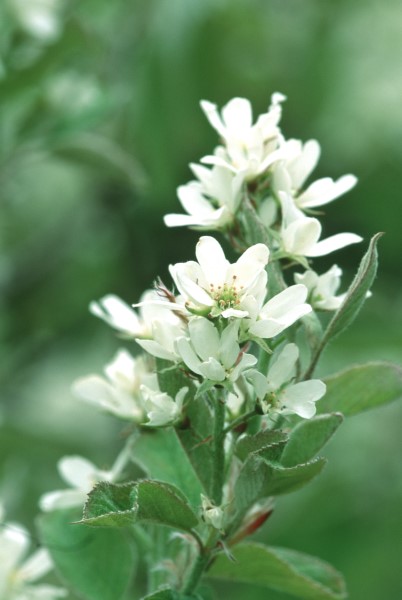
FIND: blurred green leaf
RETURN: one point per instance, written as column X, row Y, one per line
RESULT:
column 287, row 571
column 162, row 457
column 114, row 505
column 361, row 388
column 308, row 437
column 95, row 564
column 170, row 594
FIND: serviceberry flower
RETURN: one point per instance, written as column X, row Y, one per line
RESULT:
column 322, row 288
column 250, row 149
column 161, row 409
column 277, row 393
column 82, row 475
column 18, row 577
column 212, row 286
column 118, row 393
column 216, row 357
column 289, row 176
column 211, row 202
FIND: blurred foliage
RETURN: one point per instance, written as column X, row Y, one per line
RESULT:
column 99, row 118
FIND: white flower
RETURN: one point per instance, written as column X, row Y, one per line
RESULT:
column 280, row 312
column 277, row 393
column 322, row 288
column 300, row 234
column 213, row 356
column 211, row 514
column 249, row 148
column 119, row 394
column 82, row 475
column 161, row 408
column 212, row 201
column 290, row 175
column 40, row 18
column 216, row 287
column 18, row 576
column 122, row 317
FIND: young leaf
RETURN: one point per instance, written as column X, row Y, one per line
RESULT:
column 115, row 505
column 287, row 571
column 361, row 388
column 95, row 564
column 162, row 457
column 353, row 302
column 308, row 437
column 195, row 435
column 259, row 479
column 263, row 439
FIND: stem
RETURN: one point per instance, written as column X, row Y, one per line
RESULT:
column 218, row 470
column 240, row 420
column 196, row 573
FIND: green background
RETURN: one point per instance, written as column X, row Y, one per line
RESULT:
column 97, row 127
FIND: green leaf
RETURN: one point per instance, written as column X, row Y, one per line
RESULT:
column 313, row 328
column 160, row 454
column 195, row 435
column 115, row 505
column 287, row 571
column 97, row 564
column 308, row 437
column 169, row 594
column 361, row 388
column 353, row 302
column 263, row 439
column 171, row 379
column 259, row 479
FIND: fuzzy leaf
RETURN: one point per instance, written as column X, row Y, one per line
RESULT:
column 362, row 387
column 353, row 302
column 195, row 435
column 115, row 505
column 308, row 437
column 160, row 454
column 259, row 479
column 287, row 571
column 97, row 564
column 263, row 439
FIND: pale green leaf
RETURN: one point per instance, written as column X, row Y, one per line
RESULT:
column 361, row 388
column 287, row 571
column 97, row 564
column 308, row 437
column 160, row 454
column 247, row 444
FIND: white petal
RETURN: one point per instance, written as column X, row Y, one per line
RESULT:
column 229, row 347
column 78, row 472
column 285, row 301
column 97, row 391
column 156, row 349
column 282, row 370
column 325, row 190
column 335, row 242
column 211, row 112
column 189, row 357
column 212, row 159
column 37, row 565
column 249, row 265
column 303, row 165
column 258, row 381
column 300, row 397
column 212, row 369
column 14, row 542
column 212, row 260
column 204, row 337
column 301, row 236
column 193, row 201
column 247, row 361
column 62, row 499
column 237, row 116
column 118, row 314
column 186, row 276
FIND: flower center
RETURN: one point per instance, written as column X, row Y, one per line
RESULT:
column 226, row 296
